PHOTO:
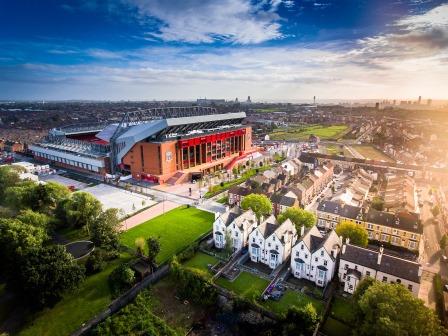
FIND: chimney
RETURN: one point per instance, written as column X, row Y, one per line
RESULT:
column 302, row 230
column 347, row 241
column 341, row 239
column 343, row 248
column 420, row 271
column 380, row 255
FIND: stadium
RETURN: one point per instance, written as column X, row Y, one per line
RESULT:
column 162, row 145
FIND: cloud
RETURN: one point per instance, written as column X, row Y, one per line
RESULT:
column 207, row 21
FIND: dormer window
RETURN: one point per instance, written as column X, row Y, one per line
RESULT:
column 301, row 247
column 322, row 253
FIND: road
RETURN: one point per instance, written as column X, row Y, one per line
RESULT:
column 430, row 259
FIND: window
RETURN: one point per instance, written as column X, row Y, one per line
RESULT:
column 316, row 259
column 301, row 247
column 297, row 254
column 412, row 244
column 410, row 287
column 346, row 267
column 321, row 253
column 236, row 234
column 306, row 256
column 276, row 247
column 370, row 226
column 321, row 274
column 325, row 263
column 398, row 281
column 384, row 279
column 269, row 244
column 312, row 268
column 253, row 240
column 367, row 273
column 356, row 267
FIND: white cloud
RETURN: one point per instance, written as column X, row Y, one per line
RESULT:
column 206, row 21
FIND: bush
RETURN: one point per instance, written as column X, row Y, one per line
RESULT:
column 188, row 253
column 121, row 279
column 95, row 263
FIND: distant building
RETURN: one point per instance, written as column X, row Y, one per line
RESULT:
column 208, row 102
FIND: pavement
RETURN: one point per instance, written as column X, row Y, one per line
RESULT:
column 145, row 215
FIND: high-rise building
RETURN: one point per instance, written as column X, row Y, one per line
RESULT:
column 419, row 100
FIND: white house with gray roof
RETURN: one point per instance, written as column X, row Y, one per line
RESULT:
column 314, row 256
column 235, row 225
column 271, row 243
column 356, row 263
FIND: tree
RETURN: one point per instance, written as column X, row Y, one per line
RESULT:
column 46, row 274
column 299, row 217
column 153, row 249
column 378, row 203
column 8, row 178
column 259, row 204
column 95, row 262
column 33, row 218
column 140, row 245
column 435, row 211
column 301, row 320
column 45, row 197
column 357, row 234
column 17, row 197
column 105, row 230
column 121, row 279
column 391, row 309
column 82, row 210
column 17, row 239
column 228, row 246
column 443, row 241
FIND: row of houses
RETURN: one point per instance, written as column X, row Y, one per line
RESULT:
column 313, row 255
column 357, row 188
column 284, row 186
column 402, row 228
column 400, row 193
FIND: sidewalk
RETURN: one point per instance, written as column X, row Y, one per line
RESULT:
column 152, row 212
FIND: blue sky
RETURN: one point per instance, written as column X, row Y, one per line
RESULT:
column 185, row 49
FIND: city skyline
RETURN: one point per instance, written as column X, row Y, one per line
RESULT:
column 270, row 50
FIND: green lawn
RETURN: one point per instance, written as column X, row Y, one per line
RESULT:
column 342, row 309
column 247, row 285
column 175, row 229
column 292, row 298
column 75, row 308
column 201, row 261
column 333, row 327
column 303, row 132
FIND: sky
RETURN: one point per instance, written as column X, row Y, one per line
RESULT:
column 186, row 49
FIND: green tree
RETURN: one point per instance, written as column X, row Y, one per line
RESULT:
column 299, row 217
column 153, row 249
column 33, row 218
column 443, row 241
column 17, row 239
column 105, row 230
column 228, row 245
column 8, row 178
column 95, row 262
column 377, row 203
column 357, row 234
column 435, row 211
column 45, row 197
column 82, row 210
column 18, row 197
column 259, row 204
column 391, row 309
column 121, row 279
column 301, row 320
column 46, row 274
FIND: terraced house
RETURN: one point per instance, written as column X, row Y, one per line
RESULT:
column 271, row 243
column 314, row 256
column 234, row 225
column 329, row 214
column 356, row 263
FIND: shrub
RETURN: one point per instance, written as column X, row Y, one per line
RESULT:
column 188, row 253
column 95, row 262
column 121, row 279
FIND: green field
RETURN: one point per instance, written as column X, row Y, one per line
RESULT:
column 201, row 261
column 77, row 307
column 247, row 285
column 303, row 132
column 292, row 298
column 175, row 229
column 371, row 153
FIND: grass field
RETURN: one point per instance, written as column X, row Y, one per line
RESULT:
column 342, row 310
column 247, row 285
column 333, row 327
column 77, row 307
column 201, row 261
column 371, row 153
column 292, row 298
column 303, row 132
column 175, row 229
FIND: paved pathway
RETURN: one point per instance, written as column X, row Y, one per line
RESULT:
column 154, row 211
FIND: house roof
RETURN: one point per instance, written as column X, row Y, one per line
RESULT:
column 314, row 240
column 401, row 268
column 238, row 190
column 268, row 226
column 407, row 221
column 344, row 210
column 245, row 219
column 229, row 216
